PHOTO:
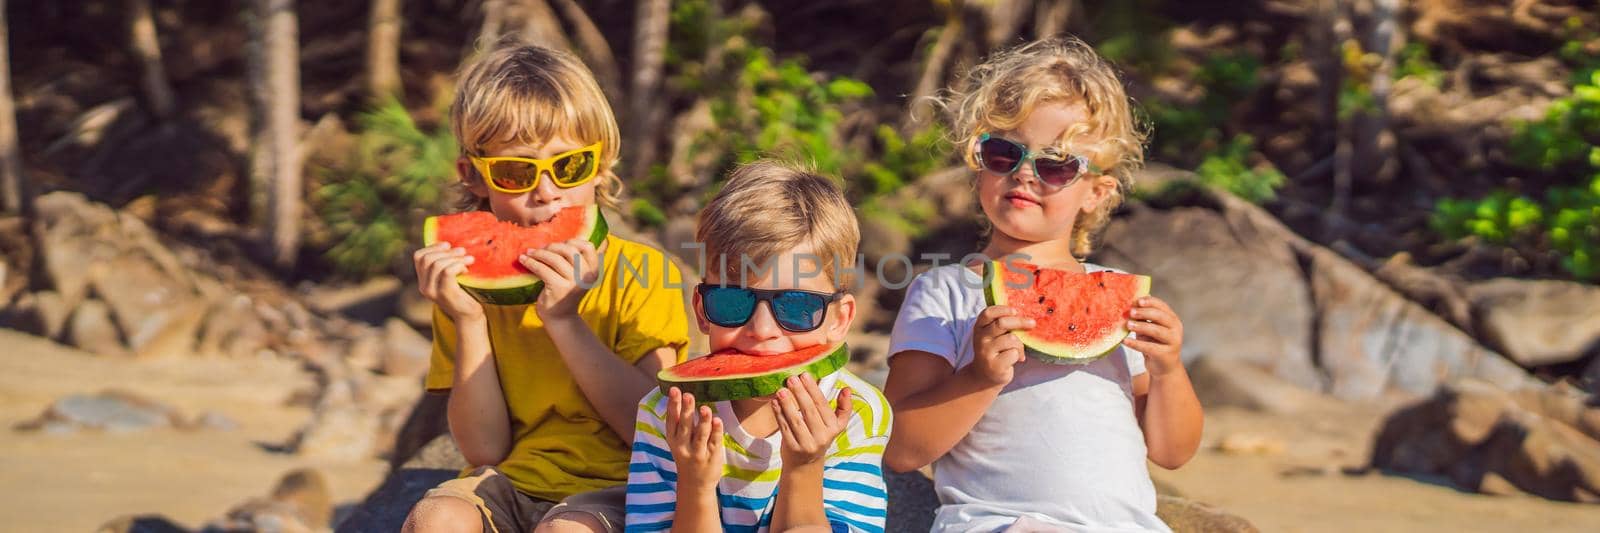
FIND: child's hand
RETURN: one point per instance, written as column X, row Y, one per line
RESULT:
column 996, row 352
column 807, row 425
column 564, row 285
column 1160, row 335
column 437, row 267
column 696, row 442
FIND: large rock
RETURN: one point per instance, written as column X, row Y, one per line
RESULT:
column 385, row 509
column 1484, row 439
column 405, row 352
column 112, row 410
column 1249, row 290
column 1538, row 322
column 301, row 502
column 1219, row 381
column 1189, row 516
column 1236, row 283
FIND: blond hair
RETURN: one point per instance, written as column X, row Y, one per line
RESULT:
column 1000, row 93
column 768, row 208
column 532, row 94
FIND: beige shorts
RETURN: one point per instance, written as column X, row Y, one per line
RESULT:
column 506, row 510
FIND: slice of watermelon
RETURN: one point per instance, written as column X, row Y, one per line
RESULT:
column 1079, row 317
column 495, row 277
column 731, row 375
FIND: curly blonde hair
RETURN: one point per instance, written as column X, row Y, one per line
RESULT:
column 1000, row 93
column 533, row 94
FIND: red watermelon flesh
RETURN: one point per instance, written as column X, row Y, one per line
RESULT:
column 495, row 276
column 733, row 375
column 1079, row 317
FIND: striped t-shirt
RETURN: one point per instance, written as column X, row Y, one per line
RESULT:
column 853, row 491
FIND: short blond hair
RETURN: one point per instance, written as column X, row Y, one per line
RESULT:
column 1000, row 93
column 532, row 94
column 768, row 208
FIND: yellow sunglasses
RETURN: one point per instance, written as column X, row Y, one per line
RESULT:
column 516, row 175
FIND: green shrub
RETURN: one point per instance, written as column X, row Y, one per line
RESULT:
column 1230, row 169
column 374, row 206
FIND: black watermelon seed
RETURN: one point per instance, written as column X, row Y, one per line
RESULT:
column 1072, row 327
column 491, row 241
column 1041, row 299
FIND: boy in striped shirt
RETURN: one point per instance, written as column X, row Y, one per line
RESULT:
column 782, row 240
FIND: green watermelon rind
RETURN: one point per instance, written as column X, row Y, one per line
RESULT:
column 754, row 385
column 521, row 289
column 1047, row 351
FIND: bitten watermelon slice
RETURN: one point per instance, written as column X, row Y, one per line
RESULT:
column 731, row 375
column 1079, row 317
column 495, row 277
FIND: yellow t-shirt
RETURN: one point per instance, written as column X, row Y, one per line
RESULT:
column 561, row 446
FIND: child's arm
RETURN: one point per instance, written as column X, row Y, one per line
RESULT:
column 1168, row 411
column 809, row 430
column 676, row 463
column 607, row 381
column 935, row 408
column 477, row 407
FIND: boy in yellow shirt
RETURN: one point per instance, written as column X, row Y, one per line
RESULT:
column 542, row 396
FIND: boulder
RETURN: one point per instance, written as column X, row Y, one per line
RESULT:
column 301, row 502
column 1538, row 322
column 1251, row 291
column 1189, row 516
column 92, row 329
column 1219, row 382
column 405, row 352
column 1484, row 439
column 385, row 509
column 111, row 410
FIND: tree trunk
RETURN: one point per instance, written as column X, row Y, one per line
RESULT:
column 494, row 19
column 383, row 50
column 13, row 199
column 275, row 161
column 594, row 48
column 933, row 67
column 142, row 31
column 1052, row 16
column 539, row 24
column 645, row 109
column 1005, row 18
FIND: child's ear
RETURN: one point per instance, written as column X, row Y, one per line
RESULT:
column 470, row 179
column 845, row 316
column 1101, row 190
column 699, row 317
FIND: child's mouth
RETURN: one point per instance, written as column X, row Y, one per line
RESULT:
column 1020, row 201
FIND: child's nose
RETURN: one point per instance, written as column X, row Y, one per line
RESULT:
column 546, row 191
column 761, row 325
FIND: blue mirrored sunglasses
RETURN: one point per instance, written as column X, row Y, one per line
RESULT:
column 793, row 309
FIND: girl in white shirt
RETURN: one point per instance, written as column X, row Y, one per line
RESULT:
column 1016, row 443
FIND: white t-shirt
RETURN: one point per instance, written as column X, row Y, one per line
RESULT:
column 1059, row 449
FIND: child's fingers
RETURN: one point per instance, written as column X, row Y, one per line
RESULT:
column 1012, row 323
column 674, row 399
column 586, row 250
column 555, row 266
column 1156, row 333
column 994, row 312
column 569, row 254
column 791, row 410
column 844, row 408
column 815, row 403
column 1157, row 315
column 539, row 269
column 806, row 402
column 783, row 422
column 1144, row 347
column 702, row 426
column 714, row 442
